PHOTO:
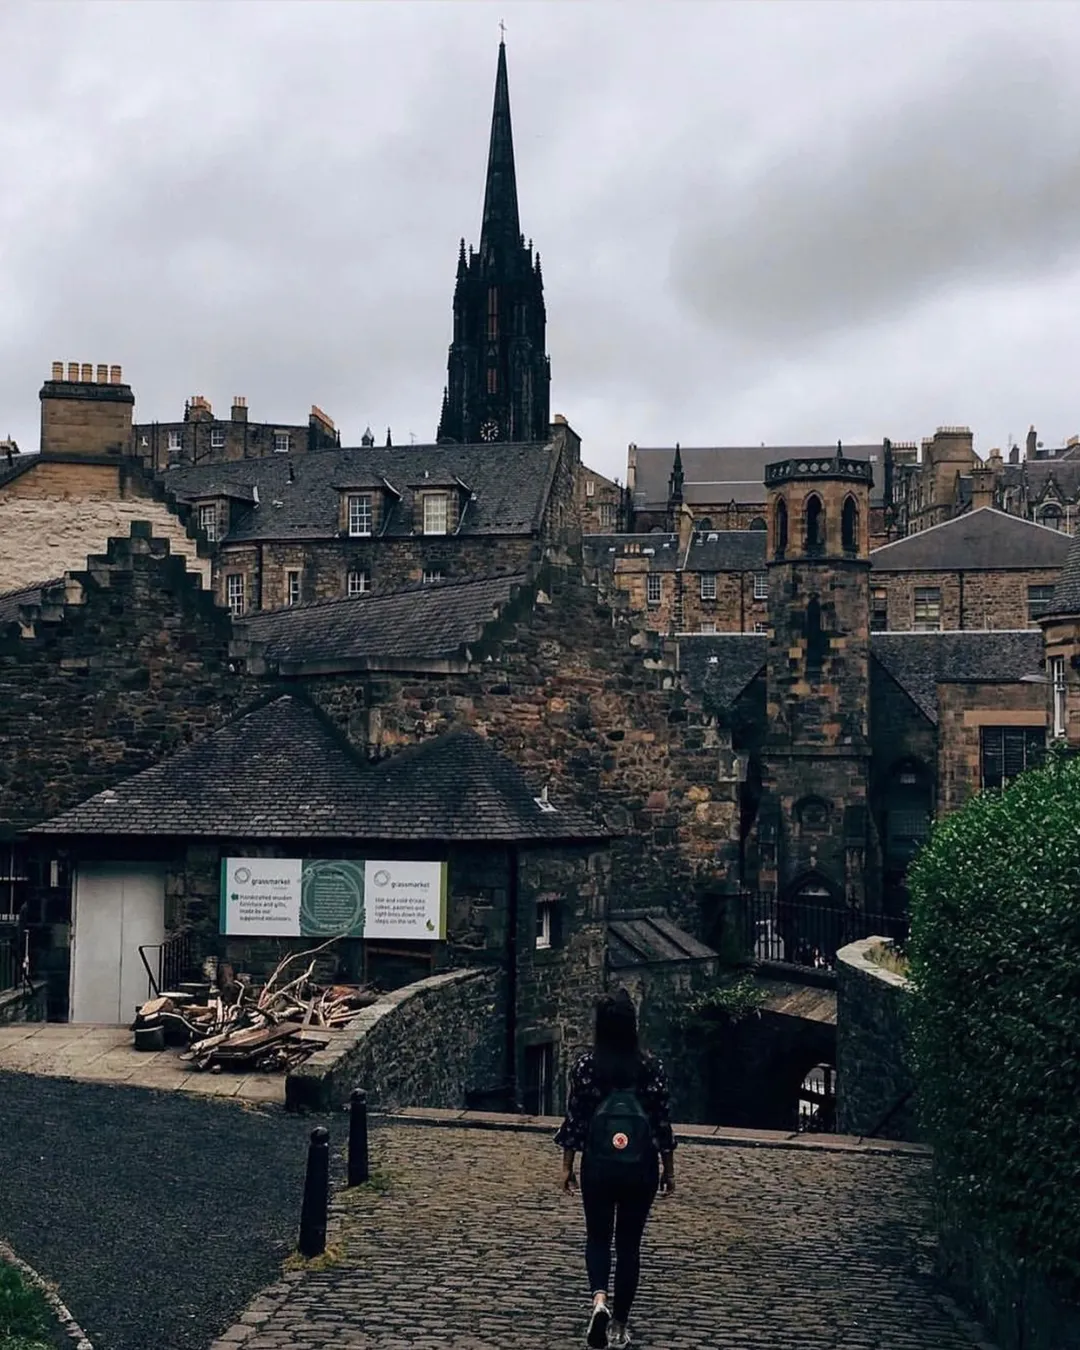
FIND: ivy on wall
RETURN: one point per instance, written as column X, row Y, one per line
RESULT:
column 995, row 966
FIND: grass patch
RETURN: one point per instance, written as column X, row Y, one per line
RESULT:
column 294, row 1261
column 380, row 1181
column 888, row 958
column 26, row 1320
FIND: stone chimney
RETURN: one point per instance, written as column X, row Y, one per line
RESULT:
column 1031, row 446
column 982, row 486
column 81, row 416
column 239, row 408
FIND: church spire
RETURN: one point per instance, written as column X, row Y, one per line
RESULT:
column 500, row 222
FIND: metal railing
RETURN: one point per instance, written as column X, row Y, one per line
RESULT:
column 166, row 963
column 808, row 933
column 10, row 964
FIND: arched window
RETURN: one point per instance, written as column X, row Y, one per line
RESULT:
column 780, row 524
column 758, row 523
column 812, row 814
column 815, row 638
column 849, row 526
column 815, row 522
column 1050, row 515
column 703, row 524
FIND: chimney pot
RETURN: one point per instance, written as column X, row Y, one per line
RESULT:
column 58, row 370
column 73, row 371
column 115, row 375
column 87, row 373
column 103, row 374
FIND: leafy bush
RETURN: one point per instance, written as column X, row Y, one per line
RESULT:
column 995, row 965
column 729, row 1002
column 25, row 1317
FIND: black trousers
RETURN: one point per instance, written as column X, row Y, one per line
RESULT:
column 620, row 1210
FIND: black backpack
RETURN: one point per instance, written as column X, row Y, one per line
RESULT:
column 619, row 1143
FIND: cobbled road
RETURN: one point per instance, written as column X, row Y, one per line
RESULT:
column 157, row 1214
column 466, row 1241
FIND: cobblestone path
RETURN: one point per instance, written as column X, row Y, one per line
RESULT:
column 466, row 1241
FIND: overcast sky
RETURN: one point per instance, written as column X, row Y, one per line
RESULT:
column 758, row 222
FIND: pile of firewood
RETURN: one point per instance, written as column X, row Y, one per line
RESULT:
column 267, row 1029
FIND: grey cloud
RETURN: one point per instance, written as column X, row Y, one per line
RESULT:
column 964, row 180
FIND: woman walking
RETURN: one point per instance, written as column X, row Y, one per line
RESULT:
column 617, row 1117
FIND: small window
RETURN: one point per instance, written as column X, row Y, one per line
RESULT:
column 652, row 588
column 234, row 593
column 176, row 440
column 927, row 609
column 292, row 588
column 1039, row 598
column 879, row 609
column 815, row 637
column 281, row 442
column 492, row 312
column 757, row 523
column 492, row 380
column 436, row 513
column 431, row 575
column 1008, row 751
column 849, row 526
column 208, row 522
column 708, row 585
column 815, row 522
column 357, row 583
column 545, row 924
column 760, row 627
column 360, row 514
column 708, row 628
column 217, row 438
column 1057, row 684
column 590, row 487
column 761, row 585
column 607, row 515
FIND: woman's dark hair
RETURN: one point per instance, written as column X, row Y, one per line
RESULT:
column 616, row 1054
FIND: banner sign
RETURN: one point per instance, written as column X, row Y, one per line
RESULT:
column 285, row 897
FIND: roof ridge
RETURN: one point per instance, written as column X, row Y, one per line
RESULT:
column 426, row 588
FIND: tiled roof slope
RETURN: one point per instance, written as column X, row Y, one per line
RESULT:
column 282, row 772
column 1066, row 599
column 709, row 550
column 11, row 601
column 725, row 473
column 424, row 622
column 651, row 939
column 719, row 666
column 986, row 539
column 299, row 495
column 919, row 662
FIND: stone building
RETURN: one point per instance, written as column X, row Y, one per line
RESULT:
column 201, row 438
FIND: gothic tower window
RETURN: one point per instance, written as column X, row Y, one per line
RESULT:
column 815, row 638
column 781, row 527
column 849, row 526
column 492, row 312
column 815, row 522
column 492, row 380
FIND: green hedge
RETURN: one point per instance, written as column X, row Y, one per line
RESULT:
column 995, row 964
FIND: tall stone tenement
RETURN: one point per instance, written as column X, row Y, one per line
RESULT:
column 86, row 414
column 814, row 823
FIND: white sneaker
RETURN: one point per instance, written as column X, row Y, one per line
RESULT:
column 597, row 1335
column 618, row 1335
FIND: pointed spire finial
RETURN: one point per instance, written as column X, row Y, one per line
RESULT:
column 389, row 442
column 500, row 192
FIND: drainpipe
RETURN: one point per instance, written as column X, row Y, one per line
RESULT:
column 511, row 979
column 259, row 578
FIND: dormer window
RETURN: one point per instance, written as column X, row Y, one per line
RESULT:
column 281, row 442
column 436, row 512
column 208, row 521
column 360, row 514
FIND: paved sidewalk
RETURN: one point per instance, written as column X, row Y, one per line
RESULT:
column 105, row 1054
column 466, row 1241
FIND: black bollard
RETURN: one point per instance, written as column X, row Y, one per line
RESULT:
column 316, row 1195
column 358, row 1146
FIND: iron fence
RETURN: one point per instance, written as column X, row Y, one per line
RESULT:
column 9, row 963
column 808, row 933
column 167, row 963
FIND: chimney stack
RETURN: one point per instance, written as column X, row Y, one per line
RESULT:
column 81, row 416
column 1032, row 445
column 239, row 408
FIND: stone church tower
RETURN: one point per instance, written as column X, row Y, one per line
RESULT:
column 498, row 371
column 813, row 825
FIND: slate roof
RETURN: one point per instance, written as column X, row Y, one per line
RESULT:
column 636, row 939
column 724, row 473
column 919, row 662
column 709, row 550
column 511, row 485
column 719, row 666
column 983, row 540
column 1066, row 597
column 10, row 601
column 421, row 622
column 281, row 771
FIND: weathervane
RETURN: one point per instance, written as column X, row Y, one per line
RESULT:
column 502, row 32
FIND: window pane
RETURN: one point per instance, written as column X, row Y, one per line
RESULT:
column 435, row 514
column 360, row 514
column 708, row 586
column 652, row 589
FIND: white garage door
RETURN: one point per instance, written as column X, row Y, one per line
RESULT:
column 119, row 907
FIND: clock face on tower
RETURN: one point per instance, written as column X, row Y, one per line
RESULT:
column 489, row 430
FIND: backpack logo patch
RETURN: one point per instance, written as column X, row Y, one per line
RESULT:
column 619, row 1141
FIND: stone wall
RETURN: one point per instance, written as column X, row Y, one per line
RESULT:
column 681, row 607
column 963, row 710
column 872, row 1073
column 56, row 513
column 24, row 1005
column 134, row 653
column 975, row 600
column 429, row 1044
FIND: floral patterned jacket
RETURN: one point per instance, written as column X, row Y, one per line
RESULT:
column 586, row 1094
